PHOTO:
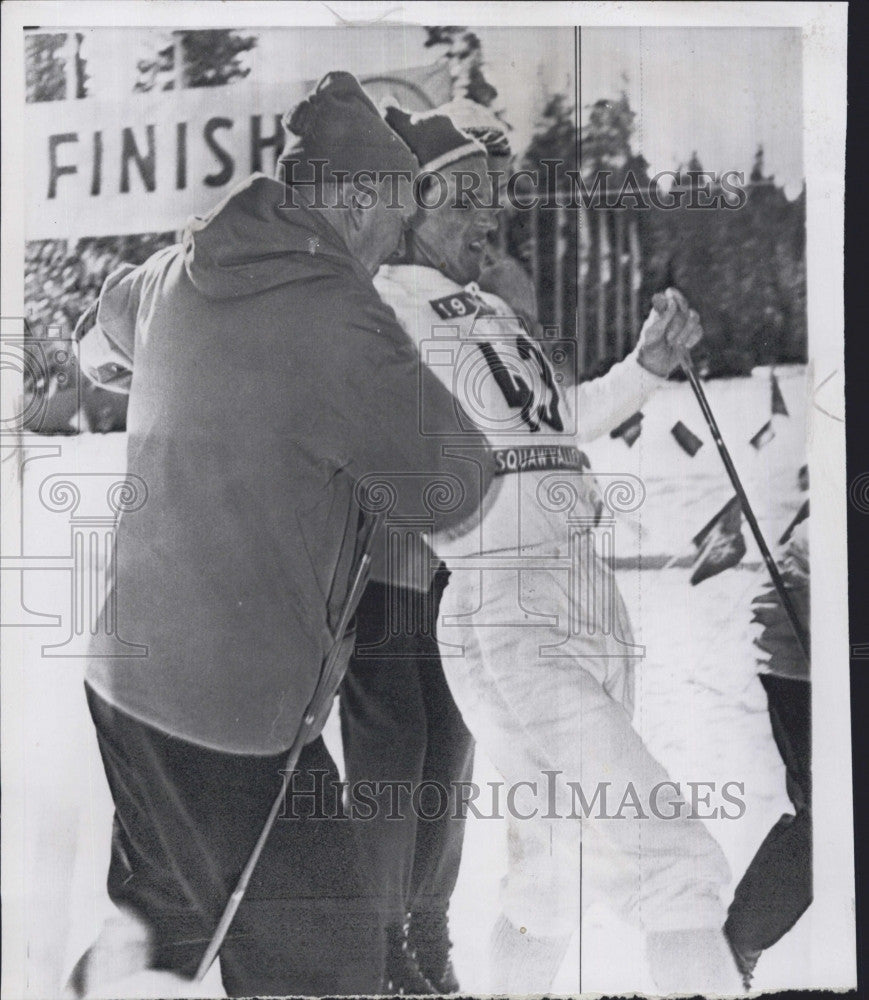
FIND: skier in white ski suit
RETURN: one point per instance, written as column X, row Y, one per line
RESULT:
column 535, row 638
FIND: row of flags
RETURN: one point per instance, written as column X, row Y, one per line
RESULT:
column 720, row 543
column 629, row 430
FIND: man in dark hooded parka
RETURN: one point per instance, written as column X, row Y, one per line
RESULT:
column 269, row 380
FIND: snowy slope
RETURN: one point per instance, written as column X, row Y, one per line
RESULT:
column 699, row 705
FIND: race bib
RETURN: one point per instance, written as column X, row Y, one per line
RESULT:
column 460, row 304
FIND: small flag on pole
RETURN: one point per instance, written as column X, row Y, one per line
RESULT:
column 800, row 516
column 687, row 439
column 763, row 436
column 778, row 400
column 719, row 543
column 629, row 430
column 803, row 477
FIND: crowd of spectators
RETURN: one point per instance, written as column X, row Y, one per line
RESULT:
column 61, row 280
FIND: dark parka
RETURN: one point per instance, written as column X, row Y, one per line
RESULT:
column 269, row 377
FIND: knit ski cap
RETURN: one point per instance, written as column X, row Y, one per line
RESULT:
column 433, row 138
column 340, row 124
column 481, row 124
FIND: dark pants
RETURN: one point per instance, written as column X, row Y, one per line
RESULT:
column 186, row 819
column 777, row 887
column 400, row 724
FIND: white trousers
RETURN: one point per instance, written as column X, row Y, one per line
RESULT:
column 559, row 719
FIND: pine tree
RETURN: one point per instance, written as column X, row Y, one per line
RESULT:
column 744, row 271
column 209, row 59
column 465, row 57
column 606, row 138
column 81, row 74
column 757, row 170
column 45, row 68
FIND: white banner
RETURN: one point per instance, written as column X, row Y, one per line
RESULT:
column 146, row 162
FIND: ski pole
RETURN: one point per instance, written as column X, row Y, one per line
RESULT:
column 778, row 582
column 330, row 677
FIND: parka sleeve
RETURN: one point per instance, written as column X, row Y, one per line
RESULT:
column 603, row 403
column 397, row 420
column 107, row 331
column 783, row 655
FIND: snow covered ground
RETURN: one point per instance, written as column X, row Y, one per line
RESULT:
column 699, row 705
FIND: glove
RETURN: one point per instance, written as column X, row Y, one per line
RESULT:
column 670, row 331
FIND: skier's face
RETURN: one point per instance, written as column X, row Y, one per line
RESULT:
column 452, row 227
column 379, row 228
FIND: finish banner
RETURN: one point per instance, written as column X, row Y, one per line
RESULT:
column 145, row 163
